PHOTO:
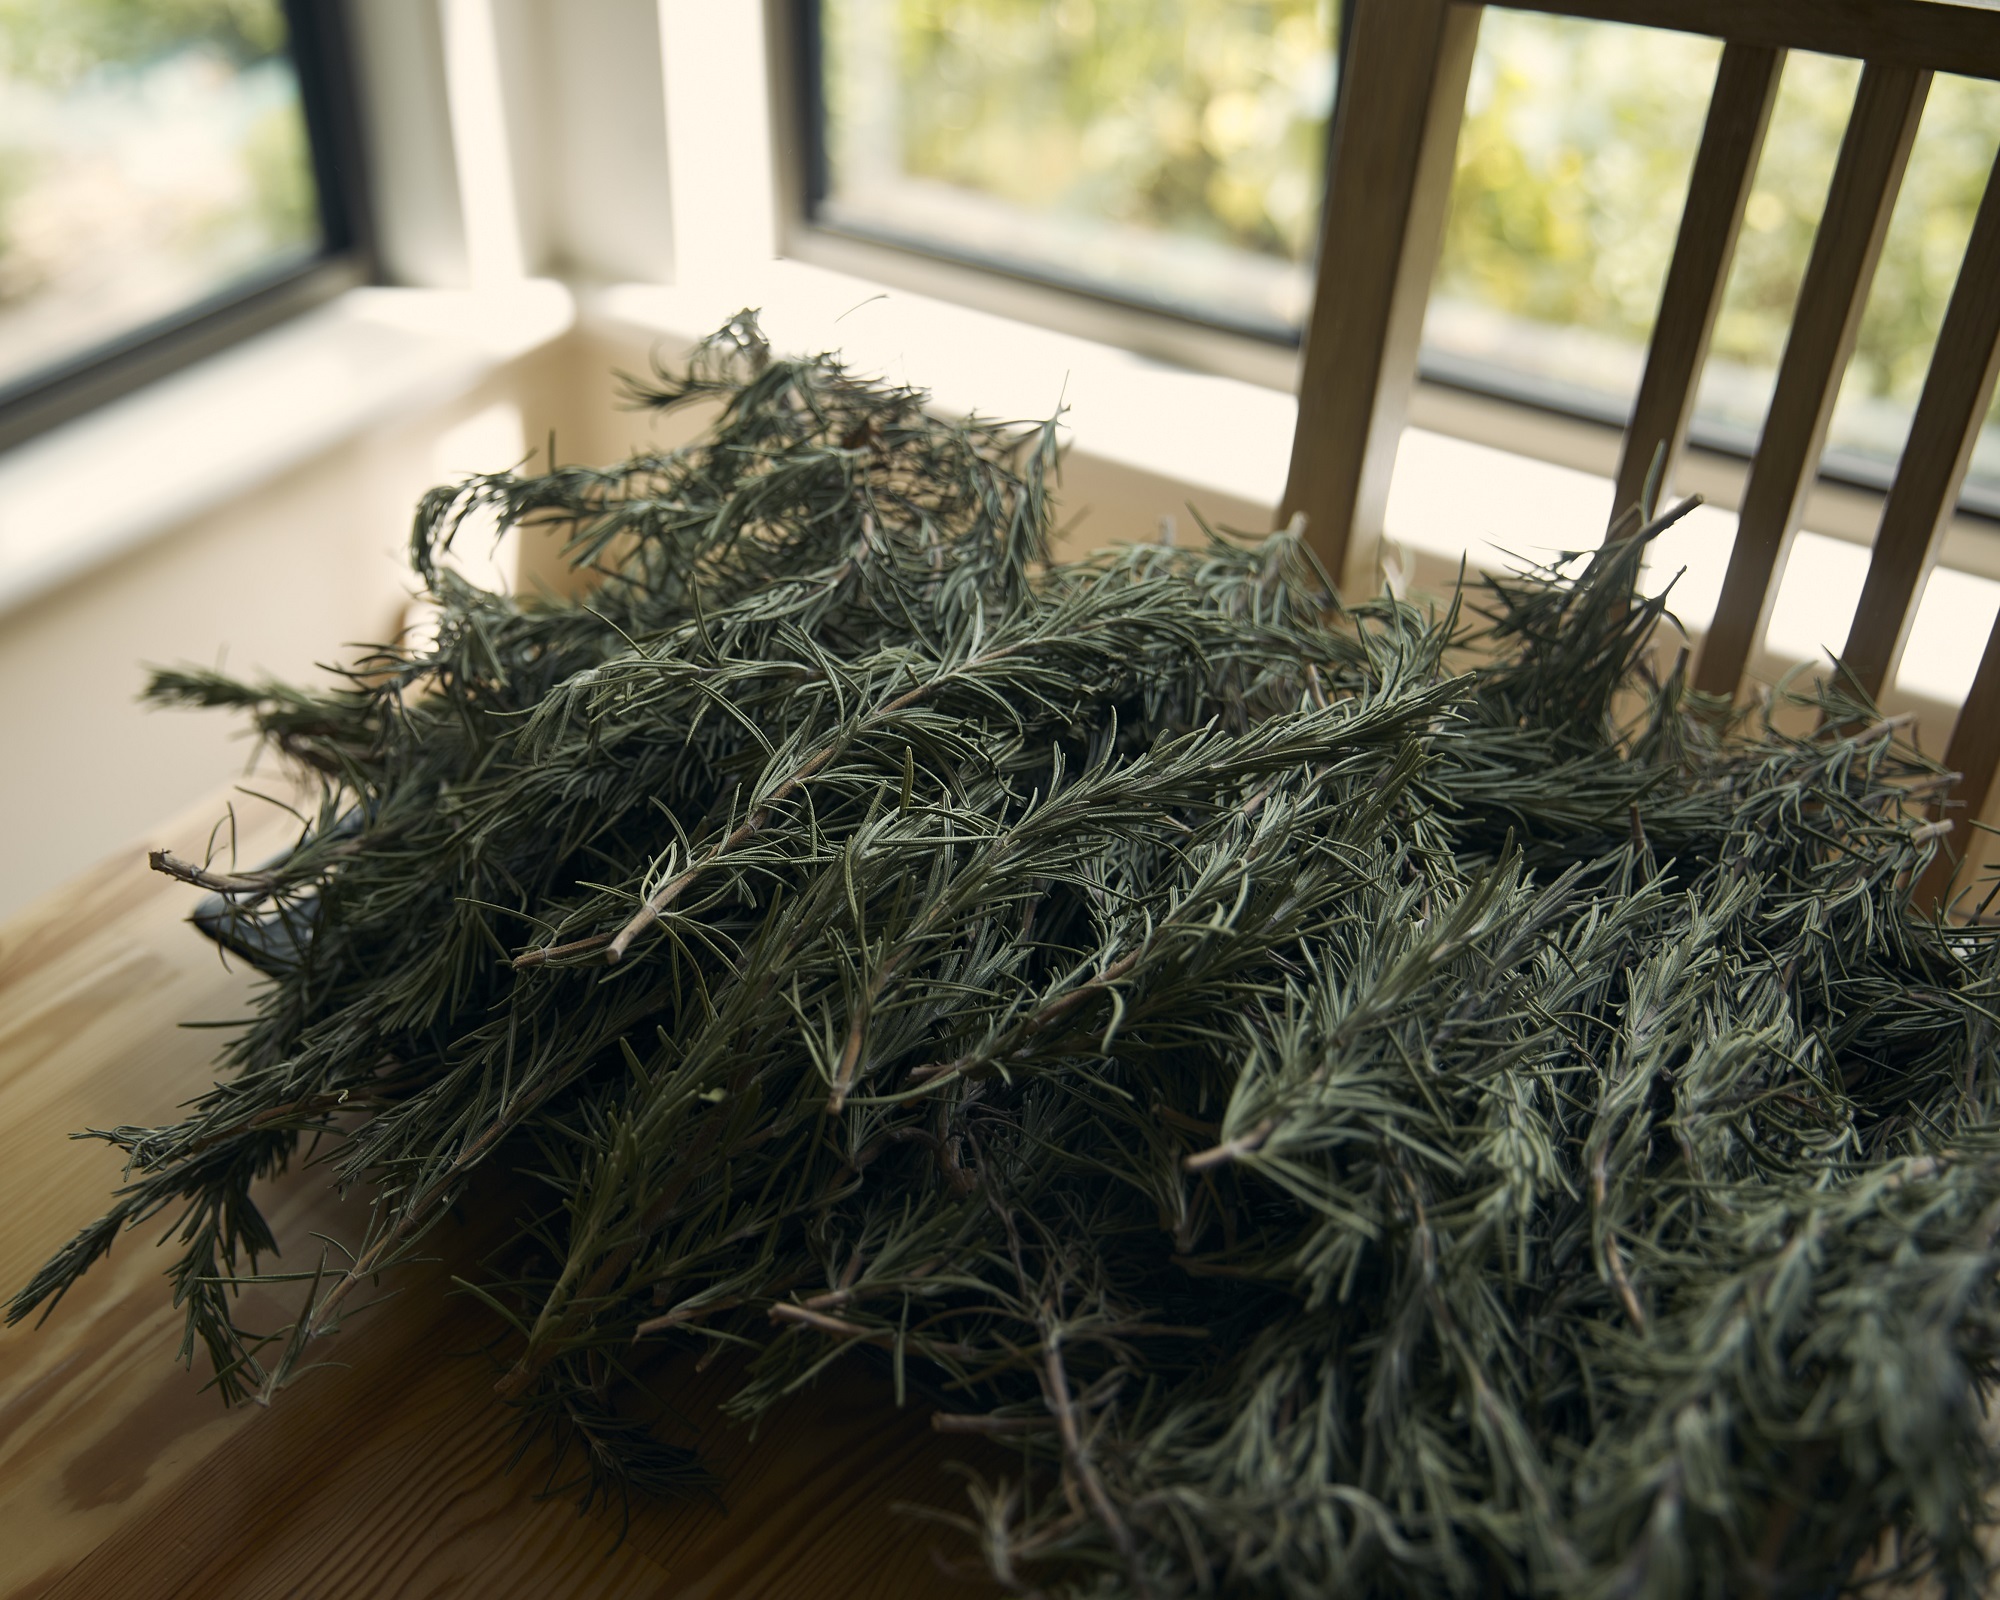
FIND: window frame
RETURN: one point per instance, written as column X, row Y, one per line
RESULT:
column 1155, row 328
column 320, row 46
column 798, row 102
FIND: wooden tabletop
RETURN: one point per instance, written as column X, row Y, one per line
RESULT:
column 386, row 1477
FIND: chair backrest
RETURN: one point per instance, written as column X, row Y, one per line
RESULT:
column 1405, row 66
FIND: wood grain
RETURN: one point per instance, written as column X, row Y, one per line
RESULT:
column 1957, row 391
column 1938, row 35
column 1406, row 64
column 1732, row 138
column 384, row 1476
column 1873, row 155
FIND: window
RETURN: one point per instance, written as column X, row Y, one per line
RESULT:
column 173, row 173
column 1170, row 154
column 1164, row 152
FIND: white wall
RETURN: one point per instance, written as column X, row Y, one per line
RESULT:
column 273, row 583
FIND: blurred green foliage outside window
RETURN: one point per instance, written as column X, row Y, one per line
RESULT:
column 153, row 156
column 1171, row 152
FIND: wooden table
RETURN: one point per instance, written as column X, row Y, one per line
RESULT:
column 120, row 1476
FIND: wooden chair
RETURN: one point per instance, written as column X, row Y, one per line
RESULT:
column 1405, row 69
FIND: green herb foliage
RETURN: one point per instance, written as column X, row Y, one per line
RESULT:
column 1361, row 1124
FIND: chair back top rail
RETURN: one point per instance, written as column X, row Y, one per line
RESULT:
column 1935, row 35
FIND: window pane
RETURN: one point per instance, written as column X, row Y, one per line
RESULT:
column 153, row 156
column 1166, row 151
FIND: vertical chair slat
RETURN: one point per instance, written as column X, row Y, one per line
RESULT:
column 1849, row 242
column 1974, row 754
column 1746, row 84
column 1956, row 394
column 1405, row 66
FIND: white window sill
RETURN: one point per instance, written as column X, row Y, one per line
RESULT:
column 88, row 491
column 1219, row 438
column 1451, row 499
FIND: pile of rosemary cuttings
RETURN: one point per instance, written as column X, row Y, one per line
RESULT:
column 1370, row 1101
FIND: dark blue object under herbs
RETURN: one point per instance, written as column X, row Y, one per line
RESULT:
column 271, row 937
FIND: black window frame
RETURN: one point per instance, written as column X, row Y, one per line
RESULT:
column 319, row 44
column 1488, row 381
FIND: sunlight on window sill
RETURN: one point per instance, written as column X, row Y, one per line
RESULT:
column 1451, row 498
column 192, row 441
column 1208, row 436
